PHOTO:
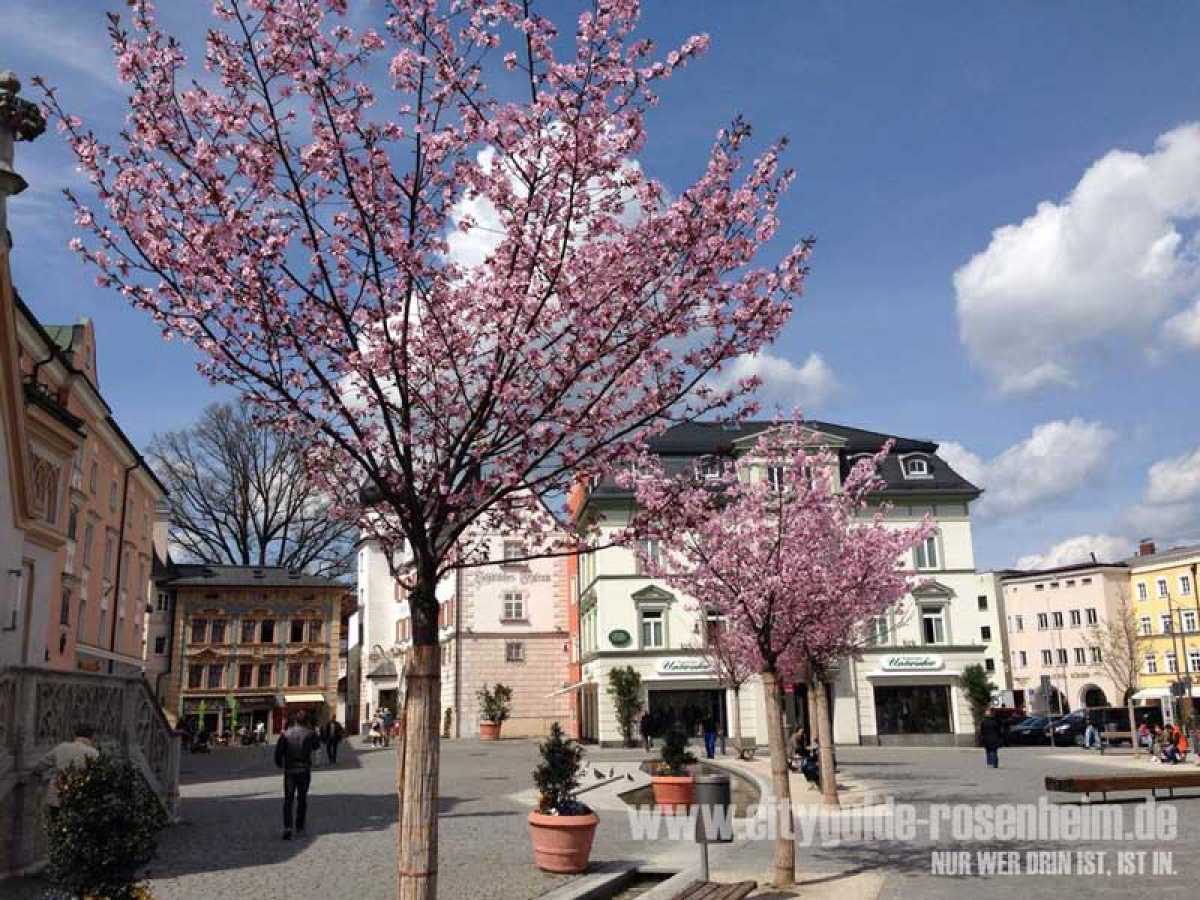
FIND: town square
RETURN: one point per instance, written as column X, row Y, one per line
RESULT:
column 604, row 449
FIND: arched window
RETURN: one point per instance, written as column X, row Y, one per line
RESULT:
column 916, row 467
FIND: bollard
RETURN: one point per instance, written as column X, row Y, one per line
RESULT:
column 714, row 815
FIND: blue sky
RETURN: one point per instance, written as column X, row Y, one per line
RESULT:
column 1058, row 360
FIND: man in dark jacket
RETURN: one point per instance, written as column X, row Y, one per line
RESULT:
column 293, row 754
column 990, row 737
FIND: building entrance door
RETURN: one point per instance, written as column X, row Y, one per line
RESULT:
column 687, row 708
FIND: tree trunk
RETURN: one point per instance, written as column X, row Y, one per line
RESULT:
column 737, row 721
column 829, row 795
column 1133, row 733
column 811, row 686
column 418, row 753
column 784, row 867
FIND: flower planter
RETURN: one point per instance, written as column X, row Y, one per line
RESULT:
column 489, row 731
column 562, row 844
column 671, row 791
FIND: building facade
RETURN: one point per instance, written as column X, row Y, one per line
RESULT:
column 1162, row 587
column 255, row 643
column 1056, row 622
column 505, row 623
column 905, row 688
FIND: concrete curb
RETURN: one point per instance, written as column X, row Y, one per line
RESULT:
column 604, row 881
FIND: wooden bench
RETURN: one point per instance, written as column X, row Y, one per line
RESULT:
column 1102, row 784
column 711, row 890
column 1108, row 737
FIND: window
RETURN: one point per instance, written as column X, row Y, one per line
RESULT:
column 73, row 522
column 652, row 628
column 926, row 553
column 218, row 631
column 108, row 556
column 1172, row 662
column 1058, row 619
column 267, row 633
column 1151, row 664
column 989, row 664
column 775, row 477
column 89, row 534
column 315, row 627
column 1039, row 587
column 246, row 675
column 312, row 673
column 64, row 610
column 514, row 607
column 1194, row 660
column 710, row 468
column 933, row 624
column 648, row 555
column 1023, row 658
column 160, row 645
column 1020, row 623
column 1043, row 621
column 297, row 632
column 1165, row 622
column 1054, row 585
column 195, row 676
column 514, row 651
column 79, row 622
column 1076, row 618
column 1080, row 656
column 514, row 550
column 916, row 467
column 982, row 600
column 214, row 675
column 294, row 671
column 877, row 630
column 164, row 601
column 199, row 629
column 1092, row 618
column 102, row 631
column 92, row 478
column 1142, row 593
column 266, row 672
column 249, row 627
column 1162, row 587
column 112, row 497
column 1097, row 656
column 1144, row 625
column 1070, row 582
column 1185, row 585
column 1047, row 658
column 985, row 632
column 1188, row 618
column 1061, row 653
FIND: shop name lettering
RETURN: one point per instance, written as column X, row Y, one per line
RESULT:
column 503, row 577
column 683, row 666
column 918, row 663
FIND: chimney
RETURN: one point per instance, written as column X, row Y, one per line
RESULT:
column 20, row 120
column 1146, row 547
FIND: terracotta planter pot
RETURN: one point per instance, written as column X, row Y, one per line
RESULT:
column 671, row 791
column 562, row 844
column 489, row 731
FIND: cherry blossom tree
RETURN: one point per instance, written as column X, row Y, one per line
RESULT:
column 796, row 558
column 459, row 290
column 731, row 667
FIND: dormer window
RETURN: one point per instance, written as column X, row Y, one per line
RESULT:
column 710, row 468
column 915, row 467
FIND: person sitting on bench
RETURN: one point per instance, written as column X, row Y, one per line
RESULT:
column 1176, row 746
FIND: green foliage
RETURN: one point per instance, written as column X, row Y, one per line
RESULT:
column 978, row 688
column 105, row 831
column 625, row 687
column 557, row 775
column 674, row 754
column 495, row 705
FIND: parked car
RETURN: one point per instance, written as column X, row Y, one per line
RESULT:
column 1030, row 730
column 1007, row 717
column 1067, row 728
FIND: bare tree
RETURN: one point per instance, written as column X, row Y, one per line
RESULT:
column 239, row 495
column 1120, row 644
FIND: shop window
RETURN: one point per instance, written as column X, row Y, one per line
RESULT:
column 933, row 624
column 652, row 629
column 266, row 674
column 195, row 676
column 245, row 675
column 913, row 709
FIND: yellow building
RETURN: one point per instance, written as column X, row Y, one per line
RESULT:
column 1164, row 600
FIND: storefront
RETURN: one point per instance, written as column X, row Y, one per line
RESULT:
column 912, row 698
column 313, row 704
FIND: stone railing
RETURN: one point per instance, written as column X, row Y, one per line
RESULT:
column 40, row 708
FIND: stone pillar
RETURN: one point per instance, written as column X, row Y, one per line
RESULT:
column 20, row 120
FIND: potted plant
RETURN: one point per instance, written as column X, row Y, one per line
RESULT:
column 561, row 828
column 672, row 782
column 494, row 707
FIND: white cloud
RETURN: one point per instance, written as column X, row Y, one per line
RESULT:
column 1078, row 549
column 1057, row 459
column 46, row 36
column 1174, row 480
column 784, row 384
column 1183, row 328
column 1170, row 506
column 1109, row 260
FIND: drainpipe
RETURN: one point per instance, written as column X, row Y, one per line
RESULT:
column 458, row 582
column 112, row 638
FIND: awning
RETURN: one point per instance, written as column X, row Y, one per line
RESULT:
column 570, row 687
column 1160, row 693
column 303, row 698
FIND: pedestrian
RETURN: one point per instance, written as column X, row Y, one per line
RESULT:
column 1156, row 743
column 1091, row 737
column 375, row 734
column 293, row 754
column 260, row 732
column 1144, row 735
column 989, row 736
column 798, row 746
column 332, row 739
column 63, row 756
column 647, row 728
column 710, row 737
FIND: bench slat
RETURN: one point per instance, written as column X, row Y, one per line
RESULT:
column 1081, row 784
column 711, row 890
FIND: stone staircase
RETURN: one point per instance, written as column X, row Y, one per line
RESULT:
column 38, row 709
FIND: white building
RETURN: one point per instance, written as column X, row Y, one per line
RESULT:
column 905, row 689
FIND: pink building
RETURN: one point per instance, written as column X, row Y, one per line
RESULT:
column 1055, row 619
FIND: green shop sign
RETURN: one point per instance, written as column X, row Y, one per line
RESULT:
column 619, row 637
